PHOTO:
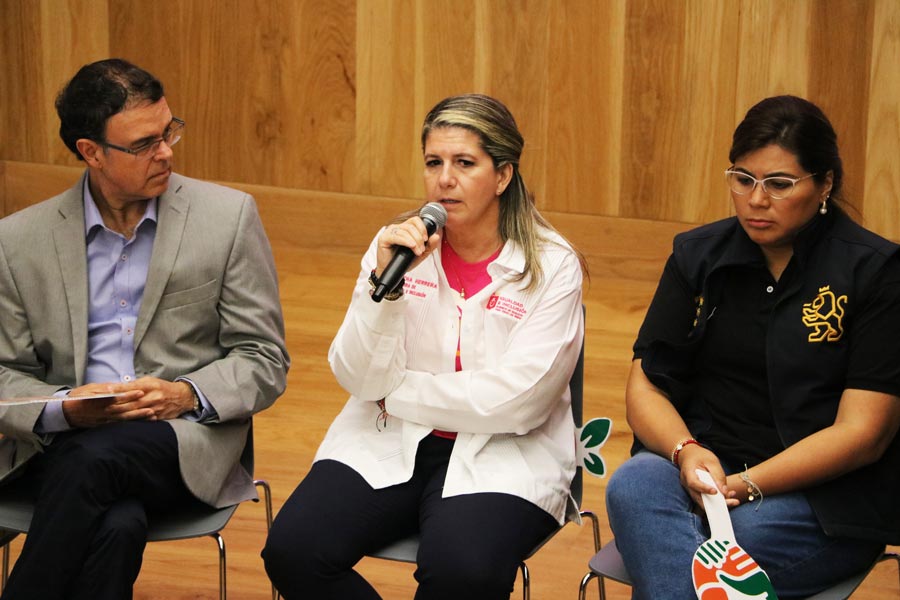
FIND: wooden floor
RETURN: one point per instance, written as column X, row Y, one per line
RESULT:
column 625, row 258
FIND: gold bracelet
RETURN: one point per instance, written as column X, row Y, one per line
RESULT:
column 753, row 491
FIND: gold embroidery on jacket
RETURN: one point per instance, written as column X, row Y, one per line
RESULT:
column 824, row 316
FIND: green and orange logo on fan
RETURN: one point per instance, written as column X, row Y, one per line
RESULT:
column 721, row 569
column 724, row 571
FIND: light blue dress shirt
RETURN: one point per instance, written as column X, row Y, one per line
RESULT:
column 117, row 272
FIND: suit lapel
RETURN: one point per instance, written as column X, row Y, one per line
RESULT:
column 172, row 213
column 71, row 253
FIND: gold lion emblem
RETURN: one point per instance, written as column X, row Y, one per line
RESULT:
column 824, row 316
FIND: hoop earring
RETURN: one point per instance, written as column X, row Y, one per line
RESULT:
column 823, row 210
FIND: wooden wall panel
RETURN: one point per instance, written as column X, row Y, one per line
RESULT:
column 844, row 99
column 679, row 88
column 445, row 52
column 708, row 79
column 584, row 121
column 882, row 174
column 627, row 107
column 77, row 29
column 23, row 134
column 387, row 158
column 773, row 42
column 518, row 50
column 240, row 73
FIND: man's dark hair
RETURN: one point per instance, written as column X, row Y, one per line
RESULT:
column 97, row 92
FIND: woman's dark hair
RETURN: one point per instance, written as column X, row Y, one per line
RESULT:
column 97, row 92
column 798, row 126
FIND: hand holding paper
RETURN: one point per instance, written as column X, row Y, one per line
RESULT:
column 88, row 406
column 91, row 405
column 43, row 399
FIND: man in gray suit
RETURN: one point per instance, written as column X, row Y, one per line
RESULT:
column 157, row 293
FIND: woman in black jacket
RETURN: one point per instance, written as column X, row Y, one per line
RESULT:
column 769, row 357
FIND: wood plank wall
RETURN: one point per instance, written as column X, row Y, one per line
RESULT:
column 627, row 106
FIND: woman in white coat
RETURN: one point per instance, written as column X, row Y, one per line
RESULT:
column 459, row 423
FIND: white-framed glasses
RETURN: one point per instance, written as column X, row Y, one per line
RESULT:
column 778, row 187
column 170, row 136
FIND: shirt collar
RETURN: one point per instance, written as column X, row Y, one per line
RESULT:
column 812, row 232
column 92, row 218
column 740, row 249
column 511, row 258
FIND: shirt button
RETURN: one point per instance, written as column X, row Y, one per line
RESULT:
column 770, row 289
column 128, row 331
column 127, row 378
column 124, row 257
column 123, row 303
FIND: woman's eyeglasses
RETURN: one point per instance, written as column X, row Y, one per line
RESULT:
column 779, row 187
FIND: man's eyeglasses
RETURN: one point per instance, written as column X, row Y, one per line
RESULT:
column 776, row 187
column 170, row 136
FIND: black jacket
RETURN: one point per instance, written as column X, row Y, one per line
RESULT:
column 840, row 267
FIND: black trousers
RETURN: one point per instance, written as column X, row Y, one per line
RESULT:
column 470, row 548
column 93, row 489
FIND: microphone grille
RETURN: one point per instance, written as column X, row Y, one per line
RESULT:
column 435, row 212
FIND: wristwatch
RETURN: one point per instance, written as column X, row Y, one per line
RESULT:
column 196, row 398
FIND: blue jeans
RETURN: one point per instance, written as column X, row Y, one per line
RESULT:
column 657, row 532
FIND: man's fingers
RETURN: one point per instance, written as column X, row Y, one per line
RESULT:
column 132, row 414
column 129, row 396
column 135, row 400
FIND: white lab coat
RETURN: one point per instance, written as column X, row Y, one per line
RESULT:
column 510, row 403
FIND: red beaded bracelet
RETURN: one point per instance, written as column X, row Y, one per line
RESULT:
column 679, row 447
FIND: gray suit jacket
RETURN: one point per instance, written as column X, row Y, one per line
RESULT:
column 210, row 312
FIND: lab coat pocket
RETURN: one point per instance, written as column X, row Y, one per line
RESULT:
column 382, row 445
column 501, row 459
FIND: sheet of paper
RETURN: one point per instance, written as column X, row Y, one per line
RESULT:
column 43, row 399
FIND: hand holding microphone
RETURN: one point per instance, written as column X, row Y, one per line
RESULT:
column 434, row 216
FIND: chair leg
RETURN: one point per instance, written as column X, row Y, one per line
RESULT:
column 595, row 527
column 5, row 567
column 222, row 584
column 267, row 498
column 5, row 538
column 526, row 581
column 582, row 589
column 894, row 557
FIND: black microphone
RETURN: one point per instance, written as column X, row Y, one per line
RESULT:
column 435, row 216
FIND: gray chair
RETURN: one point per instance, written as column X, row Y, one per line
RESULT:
column 607, row 564
column 406, row 549
column 192, row 521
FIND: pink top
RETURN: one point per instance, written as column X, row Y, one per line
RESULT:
column 468, row 279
